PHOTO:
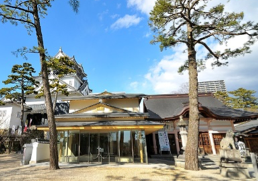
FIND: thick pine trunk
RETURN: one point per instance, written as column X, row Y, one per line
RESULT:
column 191, row 152
column 49, row 107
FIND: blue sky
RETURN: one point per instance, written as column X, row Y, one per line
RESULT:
column 111, row 39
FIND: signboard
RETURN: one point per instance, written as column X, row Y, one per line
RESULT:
column 163, row 141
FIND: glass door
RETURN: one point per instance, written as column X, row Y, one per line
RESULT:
column 113, row 147
column 94, row 144
column 63, row 145
column 68, row 146
column 125, row 145
column 104, row 147
column 84, row 147
column 73, row 146
column 99, row 147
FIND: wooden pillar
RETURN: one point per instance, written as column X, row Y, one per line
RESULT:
column 140, row 146
column 232, row 125
column 154, row 143
column 176, row 137
column 177, row 143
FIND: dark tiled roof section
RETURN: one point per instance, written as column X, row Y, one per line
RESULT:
column 38, row 107
column 103, row 115
column 170, row 107
column 108, row 105
column 162, row 107
column 61, row 108
column 112, row 96
column 248, row 125
column 104, row 123
column 84, row 84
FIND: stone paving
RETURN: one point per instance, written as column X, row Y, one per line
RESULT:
column 160, row 170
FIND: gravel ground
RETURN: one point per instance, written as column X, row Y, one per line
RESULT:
column 10, row 169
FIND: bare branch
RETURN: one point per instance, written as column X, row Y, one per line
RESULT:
column 177, row 28
column 208, row 48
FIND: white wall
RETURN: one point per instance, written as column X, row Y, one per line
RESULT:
column 5, row 117
column 14, row 119
column 32, row 100
column 70, row 81
column 27, row 153
column 40, row 152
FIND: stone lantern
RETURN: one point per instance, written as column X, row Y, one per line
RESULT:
column 182, row 131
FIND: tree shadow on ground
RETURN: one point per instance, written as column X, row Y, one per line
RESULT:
column 110, row 177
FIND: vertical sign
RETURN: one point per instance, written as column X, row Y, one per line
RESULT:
column 163, row 141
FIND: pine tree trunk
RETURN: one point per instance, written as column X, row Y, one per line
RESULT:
column 22, row 105
column 55, row 100
column 22, row 113
column 49, row 107
column 191, row 152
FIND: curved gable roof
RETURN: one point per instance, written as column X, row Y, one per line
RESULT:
column 99, row 104
column 172, row 106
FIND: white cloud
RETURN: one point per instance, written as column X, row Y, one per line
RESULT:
column 114, row 16
column 138, row 86
column 126, row 22
column 145, row 6
column 147, row 34
column 102, row 14
column 134, row 85
column 164, row 77
column 241, row 72
column 250, row 8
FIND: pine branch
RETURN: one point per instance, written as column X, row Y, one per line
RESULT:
column 16, row 7
column 16, row 19
column 208, row 48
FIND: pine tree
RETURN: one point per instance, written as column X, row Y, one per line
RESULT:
column 191, row 23
column 59, row 67
column 22, row 83
column 29, row 13
column 239, row 99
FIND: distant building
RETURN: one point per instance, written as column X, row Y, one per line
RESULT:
column 211, row 86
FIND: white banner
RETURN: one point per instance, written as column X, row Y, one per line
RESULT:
column 163, row 141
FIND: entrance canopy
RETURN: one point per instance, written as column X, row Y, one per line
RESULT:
column 107, row 126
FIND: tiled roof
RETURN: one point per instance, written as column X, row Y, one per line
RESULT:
column 103, row 115
column 104, row 123
column 172, row 106
column 61, row 108
column 101, row 96
column 246, row 126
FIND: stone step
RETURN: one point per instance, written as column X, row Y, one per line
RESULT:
column 163, row 156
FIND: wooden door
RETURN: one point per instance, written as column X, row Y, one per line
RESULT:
column 252, row 144
column 172, row 143
column 217, row 139
column 204, row 143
